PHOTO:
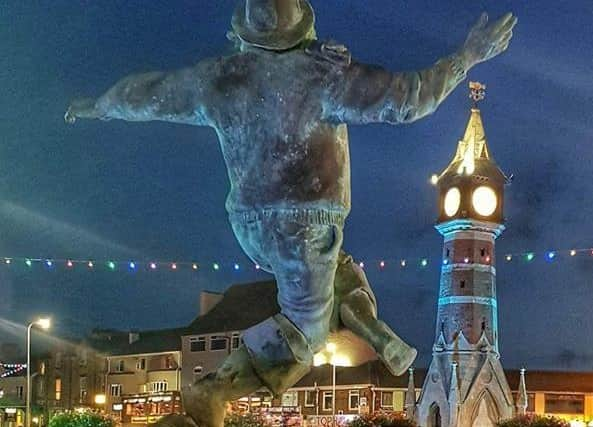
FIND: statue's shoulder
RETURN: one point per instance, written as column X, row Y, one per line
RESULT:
column 330, row 51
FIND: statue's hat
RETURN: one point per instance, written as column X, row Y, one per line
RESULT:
column 273, row 24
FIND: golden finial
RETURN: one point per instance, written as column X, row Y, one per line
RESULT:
column 477, row 92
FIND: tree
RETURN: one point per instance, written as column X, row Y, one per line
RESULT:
column 533, row 421
column 75, row 419
column 382, row 420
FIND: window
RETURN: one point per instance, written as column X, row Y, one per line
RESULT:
column 218, row 343
column 353, row 400
column 58, row 360
column 141, row 364
column 448, row 252
column 310, row 397
column 42, row 368
column 290, row 398
column 19, row 391
column 235, row 341
column 462, row 284
column 482, row 252
column 399, row 398
column 327, row 401
column 565, row 404
column 386, row 399
column 158, row 386
column 119, row 366
column 58, row 389
column 83, row 358
column 115, row 390
column 83, row 389
column 197, row 344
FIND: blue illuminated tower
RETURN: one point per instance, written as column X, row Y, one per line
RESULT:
column 465, row 384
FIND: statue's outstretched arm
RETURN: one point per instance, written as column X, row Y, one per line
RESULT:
column 367, row 94
column 179, row 96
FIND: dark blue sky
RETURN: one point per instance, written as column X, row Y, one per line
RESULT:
column 143, row 191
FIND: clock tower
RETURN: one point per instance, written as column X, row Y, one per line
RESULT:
column 465, row 385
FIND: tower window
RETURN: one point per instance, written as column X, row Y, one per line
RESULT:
column 482, row 252
column 483, row 323
column 448, row 252
column 462, row 284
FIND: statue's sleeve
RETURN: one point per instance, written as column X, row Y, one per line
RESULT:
column 370, row 94
column 181, row 96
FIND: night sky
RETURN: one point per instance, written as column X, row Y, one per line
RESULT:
column 144, row 191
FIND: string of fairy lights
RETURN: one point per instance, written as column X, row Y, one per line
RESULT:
column 9, row 369
column 174, row 266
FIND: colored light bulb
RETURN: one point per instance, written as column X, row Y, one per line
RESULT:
column 111, row 265
column 49, row 263
column 7, row 261
column 216, row 266
column 257, row 266
column 361, row 264
column 194, row 266
column 28, row 262
column 466, row 260
column 90, row 264
column 236, row 267
column 509, row 257
column 132, row 265
column 551, row 255
column 530, row 256
column 573, row 252
column 424, row 262
column 403, row 263
column 382, row 264
column 153, row 266
column 69, row 264
column 174, row 266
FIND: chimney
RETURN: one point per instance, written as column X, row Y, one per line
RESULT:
column 133, row 336
column 208, row 300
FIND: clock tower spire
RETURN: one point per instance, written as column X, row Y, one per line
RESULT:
column 466, row 385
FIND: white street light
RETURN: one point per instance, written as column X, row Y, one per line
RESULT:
column 43, row 323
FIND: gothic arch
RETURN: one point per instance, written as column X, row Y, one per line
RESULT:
column 434, row 416
column 485, row 412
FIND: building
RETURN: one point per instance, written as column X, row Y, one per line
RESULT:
column 12, row 399
column 217, row 330
column 142, row 375
column 466, row 385
column 67, row 377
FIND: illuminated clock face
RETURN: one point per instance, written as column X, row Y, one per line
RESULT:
column 452, row 201
column 484, row 200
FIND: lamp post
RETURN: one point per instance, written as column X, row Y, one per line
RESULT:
column 43, row 323
column 331, row 349
column 334, row 360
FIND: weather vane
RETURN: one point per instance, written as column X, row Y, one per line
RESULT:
column 477, row 92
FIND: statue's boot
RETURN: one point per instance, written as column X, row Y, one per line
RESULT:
column 357, row 309
column 205, row 401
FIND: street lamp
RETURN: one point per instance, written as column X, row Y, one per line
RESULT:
column 331, row 348
column 43, row 323
column 334, row 359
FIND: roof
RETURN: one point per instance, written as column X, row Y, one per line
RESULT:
column 373, row 372
column 155, row 341
column 473, row 155
column 376, row 374
column 241, row 307
column 553, row 381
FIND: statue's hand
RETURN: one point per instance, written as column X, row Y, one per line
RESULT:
column 83, row 108
column 486, row 41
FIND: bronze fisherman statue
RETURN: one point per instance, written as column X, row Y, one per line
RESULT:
column 280, row 107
